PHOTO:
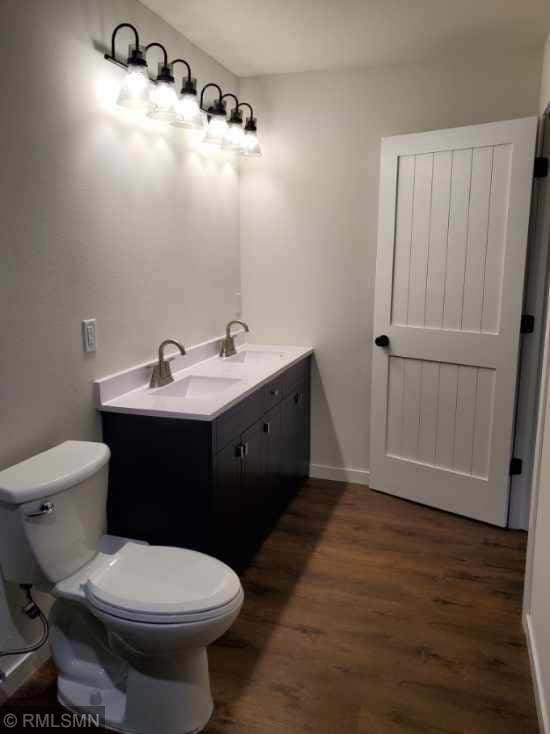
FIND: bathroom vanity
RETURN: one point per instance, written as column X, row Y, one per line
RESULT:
column 205, row 464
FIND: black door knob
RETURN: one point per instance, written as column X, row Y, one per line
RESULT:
column 382, row 341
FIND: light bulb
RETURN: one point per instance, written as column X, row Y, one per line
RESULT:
column 134, row 93
column 163, row 101
column 188, row 113
column 216, row 130
column 250, row 145
column 233, row 137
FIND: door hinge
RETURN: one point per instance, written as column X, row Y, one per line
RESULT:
column 541, row 167
column 516, row 466
column 527, row 323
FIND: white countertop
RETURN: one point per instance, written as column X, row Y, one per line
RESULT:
column 217, row 383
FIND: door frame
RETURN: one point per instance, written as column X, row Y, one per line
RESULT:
column 530, row 383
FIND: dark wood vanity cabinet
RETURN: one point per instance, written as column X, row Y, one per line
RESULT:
column 219, row 486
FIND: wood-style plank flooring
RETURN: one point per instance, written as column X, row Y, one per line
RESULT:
column 367, row 614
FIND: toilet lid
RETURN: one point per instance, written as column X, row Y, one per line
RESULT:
column 159, row 580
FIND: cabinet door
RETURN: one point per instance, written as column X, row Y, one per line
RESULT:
column 274, row 464
column 301, row 400
column 273, row 436
column 239, row 499
column 254, row 480
column 289, row 454
column 295, row 454
column 227, row 517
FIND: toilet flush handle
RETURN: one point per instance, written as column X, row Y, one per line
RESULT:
column 46, row 508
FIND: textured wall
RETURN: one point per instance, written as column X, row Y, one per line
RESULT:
column 103, row 217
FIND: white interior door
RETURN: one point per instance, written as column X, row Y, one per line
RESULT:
column 452, row 240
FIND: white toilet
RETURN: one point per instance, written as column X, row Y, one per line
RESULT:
column 131, row 622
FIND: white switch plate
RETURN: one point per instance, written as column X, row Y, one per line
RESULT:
column 89, row 337
column 238, row 303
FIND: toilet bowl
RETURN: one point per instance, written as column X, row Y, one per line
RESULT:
column 131, row 622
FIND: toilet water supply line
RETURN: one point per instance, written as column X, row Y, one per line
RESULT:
column 32, row 610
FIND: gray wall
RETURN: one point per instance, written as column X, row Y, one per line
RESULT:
column 309, row 210
column 103, row 217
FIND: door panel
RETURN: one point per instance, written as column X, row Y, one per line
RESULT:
column 440, row 414
column 454, row 213
column 450, row 232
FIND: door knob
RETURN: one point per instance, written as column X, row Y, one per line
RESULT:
column 382, row 341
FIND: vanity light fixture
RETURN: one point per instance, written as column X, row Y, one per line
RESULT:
column 188, row 112
column 216, row 115
column 250, row 146
column 233, row 135
column 135, row 89
column 163, row 94
column 159, row 99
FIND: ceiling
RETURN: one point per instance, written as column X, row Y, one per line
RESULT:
column 253, row 37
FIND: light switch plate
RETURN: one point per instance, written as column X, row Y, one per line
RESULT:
column 89, row 336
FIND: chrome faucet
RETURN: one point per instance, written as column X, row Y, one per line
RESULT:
column 162, row 374
column 228, row 343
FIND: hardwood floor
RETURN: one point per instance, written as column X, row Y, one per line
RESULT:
column 367, row 614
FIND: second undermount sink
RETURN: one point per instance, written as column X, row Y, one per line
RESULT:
column 252, row 357
column 198, row 387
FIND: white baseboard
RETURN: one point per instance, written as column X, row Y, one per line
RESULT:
column 339, row 473
column 536, row 672
column 20, row 670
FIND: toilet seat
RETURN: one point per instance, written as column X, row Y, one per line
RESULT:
column 163, row 585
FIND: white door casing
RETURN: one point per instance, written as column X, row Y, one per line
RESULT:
column 452, row 239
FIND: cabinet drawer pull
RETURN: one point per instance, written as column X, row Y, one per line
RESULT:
column 241, row 450
column 298, row 398
column 275, row 392
column 267, row 427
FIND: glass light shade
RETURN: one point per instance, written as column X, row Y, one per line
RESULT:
column 250, row 145
column 163, row 101
column 134, row 93
column 216, row 130
column 233, row 137
column 188, row 113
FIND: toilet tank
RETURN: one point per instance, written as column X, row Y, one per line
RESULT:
column 53, row 512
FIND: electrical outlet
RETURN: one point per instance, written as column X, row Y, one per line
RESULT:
column 89, row 337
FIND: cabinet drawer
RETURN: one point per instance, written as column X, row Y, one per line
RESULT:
column 274, row 392
column 230, row 425
column 296, row 375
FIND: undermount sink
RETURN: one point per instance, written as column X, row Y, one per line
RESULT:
column 256, row 357
column 198, row 388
